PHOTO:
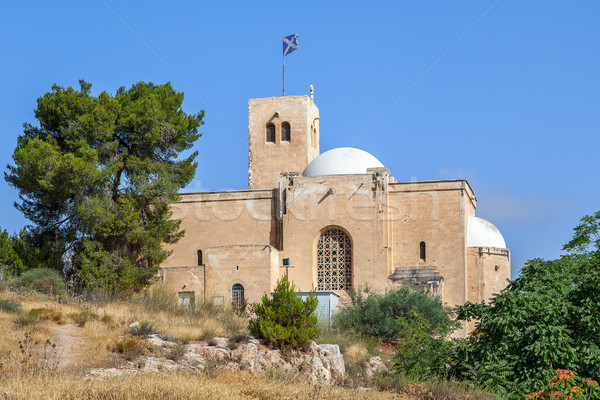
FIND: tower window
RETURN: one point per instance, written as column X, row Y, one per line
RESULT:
column 271, row 133
column 285, row 132
column 422, row 251
column 200, row 260
column 237, row 294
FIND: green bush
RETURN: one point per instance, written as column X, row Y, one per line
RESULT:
column 42, row 280
column 421, row 352
column 285, row 320
column 374, row 315
column 9, row 306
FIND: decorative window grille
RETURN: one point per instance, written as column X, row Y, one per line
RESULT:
column 422, row 251
column 334, row 261
column 285, row 132
column 271, row 133
column 237, row 294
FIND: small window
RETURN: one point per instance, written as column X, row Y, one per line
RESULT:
column 422, row 251
column 237, row 294
column 285, row 132
column 200, row 260
column 187, row 300
column 271, row 133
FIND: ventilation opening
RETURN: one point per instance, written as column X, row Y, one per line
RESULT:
column 200, row 260
column 422, row 251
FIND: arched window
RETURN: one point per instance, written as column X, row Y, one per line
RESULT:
column 286, row 132
column 422, row 251
column 271, row 133
column 200, row 260
column 237, row 294
column 334, row 260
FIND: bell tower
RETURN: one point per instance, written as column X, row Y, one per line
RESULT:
column 283, row 136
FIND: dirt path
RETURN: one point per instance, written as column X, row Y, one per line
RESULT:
column 68, row 345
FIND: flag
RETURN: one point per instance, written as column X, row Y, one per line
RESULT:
column 290, row 43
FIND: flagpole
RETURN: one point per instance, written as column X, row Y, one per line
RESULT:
column 283, row 74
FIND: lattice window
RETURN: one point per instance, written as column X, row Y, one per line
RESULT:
column 334, row 261
column 237, row 294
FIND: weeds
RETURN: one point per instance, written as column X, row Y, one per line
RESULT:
column 38, row 358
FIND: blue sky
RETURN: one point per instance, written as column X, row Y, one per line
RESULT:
column 502, row 93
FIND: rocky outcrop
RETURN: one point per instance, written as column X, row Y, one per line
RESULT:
column 321, row 364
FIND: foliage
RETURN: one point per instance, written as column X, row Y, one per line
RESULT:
column 240, row 308
column 586, row 236
column 10, row 262
column 375, row 315
column 422, row 351
column 566, row 385
column 97, row 175
column 546, row 319
column 9, row 306
column 285, row 320
column 42, row 280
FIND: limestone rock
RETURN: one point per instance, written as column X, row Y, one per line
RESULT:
column 374, row 366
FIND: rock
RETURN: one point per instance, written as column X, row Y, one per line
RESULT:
column 211, row 352
column 221, row 342
column 155, row 340
column 135, row 324
column 333, row 359
column 374, row 366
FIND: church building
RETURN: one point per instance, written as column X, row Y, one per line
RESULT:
column 338, row 219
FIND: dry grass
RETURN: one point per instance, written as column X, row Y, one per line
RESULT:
column 226, row 385
column 92, row 344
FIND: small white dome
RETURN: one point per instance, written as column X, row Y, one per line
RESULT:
column 342, row 161
column 482, row 233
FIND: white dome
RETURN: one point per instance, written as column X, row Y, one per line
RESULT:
column 342, row 161
column 482, row 233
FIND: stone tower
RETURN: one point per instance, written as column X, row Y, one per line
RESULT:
column 283, row 136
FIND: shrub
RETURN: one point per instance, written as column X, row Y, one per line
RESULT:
column 143, row 328
column 421, row 352
column 83, row 317
column 48, row 314
column 374, row 315
column 131, row 347
column 26, row 319
column 285, row 320
column 9, row 306
column 42, row 280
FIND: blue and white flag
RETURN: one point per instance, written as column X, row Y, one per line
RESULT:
column 290, row 43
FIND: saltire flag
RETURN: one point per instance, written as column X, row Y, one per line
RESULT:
column 290, row 43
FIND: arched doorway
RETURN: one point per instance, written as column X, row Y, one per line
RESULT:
column 334, row 260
